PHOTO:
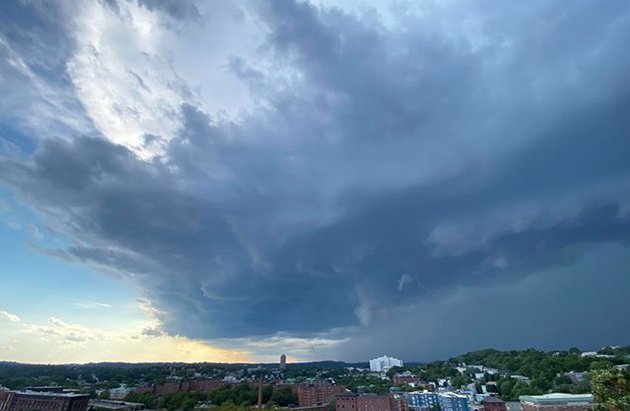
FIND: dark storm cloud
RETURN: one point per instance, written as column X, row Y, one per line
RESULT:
column 46, row 45
column 34, row 49
column 403, row 164
column 178, row 9
column 552, row 309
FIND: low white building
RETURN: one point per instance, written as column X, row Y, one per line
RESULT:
column 596, row 355
column 384, row 363
column 577, row 377
column 231, row 379
column 119, row 393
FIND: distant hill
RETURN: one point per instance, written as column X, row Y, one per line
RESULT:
column 487, row 356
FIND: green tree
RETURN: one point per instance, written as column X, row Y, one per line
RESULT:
column 611, row 388
column 460, row 380
column 393, row 371
column 149, row 399
column 284, row 396
column 230, row 406
column 600, row 365
column 188, row 404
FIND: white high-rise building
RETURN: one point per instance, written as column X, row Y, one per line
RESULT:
column 384, row 363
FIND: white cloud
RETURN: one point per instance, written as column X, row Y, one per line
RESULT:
column 297, row 348
column 92, row 304
column 148, row 308
column 58, row 341
column 126, row 87
column 33, row 102
column 4, row 315
column 35, row 232
column 59, row 330
column 500, row 262
column 133, row 69
column 404, row 280
column 13, row 223
column 363, row 313
column 153, row 331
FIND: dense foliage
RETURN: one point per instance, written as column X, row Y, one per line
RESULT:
column 611, row 388
column 545, row 372
column 241, row 394
column 539, row 364
column 362, row 382
column 104, row 375
column 149, row 399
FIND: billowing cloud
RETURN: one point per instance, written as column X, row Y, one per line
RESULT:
column 375, row 167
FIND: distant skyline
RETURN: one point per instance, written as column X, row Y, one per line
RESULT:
column 222, row 181
column 365, row 362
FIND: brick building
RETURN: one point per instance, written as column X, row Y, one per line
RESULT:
column 141, row 389
column 407, row 379
column 313, row 394
column 365, row 402
column 346, row 402
column 45, row 388
column 202, row 385
column 321, row 407
column 110, row 405
column 556, row 402
column 44, row 401
column 168, row 388
column 400, row 403
column 493, row 404
column 375, row 402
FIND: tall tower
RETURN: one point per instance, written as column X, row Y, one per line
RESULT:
column 283, row 362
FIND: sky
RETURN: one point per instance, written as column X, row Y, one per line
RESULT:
column 229, row 181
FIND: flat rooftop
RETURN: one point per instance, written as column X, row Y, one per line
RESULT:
column 115, row 405
column 50, row 394
column 557, row 397
column 452, row 394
